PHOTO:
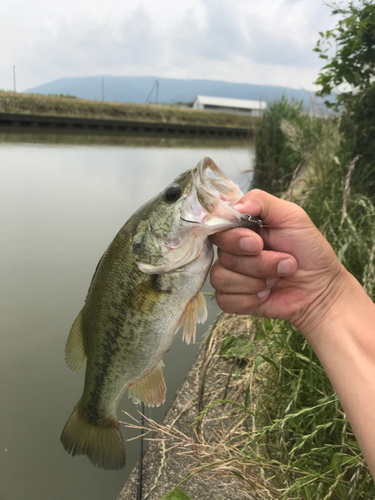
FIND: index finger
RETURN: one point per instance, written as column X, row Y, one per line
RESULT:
column 238, row 241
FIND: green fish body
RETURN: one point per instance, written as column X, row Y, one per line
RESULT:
column 146, row 286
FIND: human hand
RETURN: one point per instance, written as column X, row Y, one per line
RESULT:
column 290, row 273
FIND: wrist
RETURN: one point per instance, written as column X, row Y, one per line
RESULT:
column 329, row 305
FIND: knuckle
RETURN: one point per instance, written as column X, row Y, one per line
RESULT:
column 227, row 303
column 222, row 302
column 262, row 268
column 256, row 192
column 241, row 264
column 231, row 262
column 217, row 277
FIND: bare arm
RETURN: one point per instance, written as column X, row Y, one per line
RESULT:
column 292, row 273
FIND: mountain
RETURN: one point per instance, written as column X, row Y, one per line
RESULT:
column 137, row 89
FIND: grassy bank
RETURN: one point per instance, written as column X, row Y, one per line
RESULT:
column 11, row 102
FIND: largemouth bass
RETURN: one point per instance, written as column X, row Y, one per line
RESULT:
column 145, row 287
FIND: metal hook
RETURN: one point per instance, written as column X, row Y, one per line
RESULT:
column 254, row 221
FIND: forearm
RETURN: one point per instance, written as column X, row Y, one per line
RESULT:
column 344, row 341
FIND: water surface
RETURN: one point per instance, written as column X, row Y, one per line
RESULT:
column 60, row 206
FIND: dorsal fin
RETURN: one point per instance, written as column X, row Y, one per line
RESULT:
column 75, row 354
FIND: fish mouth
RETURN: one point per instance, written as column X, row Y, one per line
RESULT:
column 211, row 182
column 210, row 204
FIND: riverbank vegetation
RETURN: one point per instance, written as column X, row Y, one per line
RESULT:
column 70, row 106
column 290, row 427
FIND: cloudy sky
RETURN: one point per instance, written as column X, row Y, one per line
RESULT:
column 247, row 41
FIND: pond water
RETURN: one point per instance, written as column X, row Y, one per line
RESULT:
column 61, row 204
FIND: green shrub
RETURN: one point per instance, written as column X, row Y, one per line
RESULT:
column 275, row 160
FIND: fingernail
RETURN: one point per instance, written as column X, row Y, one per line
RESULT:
column 271, row 281
column 263, row 294
column 285, row 267
column 248, row 244
column 238, row 206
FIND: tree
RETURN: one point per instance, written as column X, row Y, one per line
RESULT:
column 353, row 64
column 351, row 73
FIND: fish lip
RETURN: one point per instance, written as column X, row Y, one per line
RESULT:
column 204, row 165
column 210, row 187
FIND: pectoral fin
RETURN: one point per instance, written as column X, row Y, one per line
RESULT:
column 195, row 312
column 144, row 298
column 150, row 389
column 75, row 354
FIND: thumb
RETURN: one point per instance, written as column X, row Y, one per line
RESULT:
column 273, row 211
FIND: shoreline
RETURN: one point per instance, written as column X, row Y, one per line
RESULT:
column 19, row 122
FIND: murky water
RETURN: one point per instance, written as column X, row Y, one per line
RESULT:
column 60, row 206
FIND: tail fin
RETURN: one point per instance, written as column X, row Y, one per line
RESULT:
column 103, row 445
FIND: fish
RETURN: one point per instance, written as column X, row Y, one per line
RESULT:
column 146, row 286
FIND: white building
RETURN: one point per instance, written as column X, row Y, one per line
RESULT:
column 226, row 105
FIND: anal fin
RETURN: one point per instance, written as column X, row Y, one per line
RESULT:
column 195, row 312
column 150, row 389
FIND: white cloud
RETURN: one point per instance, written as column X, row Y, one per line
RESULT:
column 266, row 42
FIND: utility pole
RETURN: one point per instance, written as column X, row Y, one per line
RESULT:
column 156, row 87
column 102, row 88
column 14, row 78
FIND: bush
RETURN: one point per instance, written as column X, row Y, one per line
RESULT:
column 276, row 158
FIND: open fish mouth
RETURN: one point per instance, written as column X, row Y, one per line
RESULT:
column 216, row 194
column 211, row 182
column 210, row 202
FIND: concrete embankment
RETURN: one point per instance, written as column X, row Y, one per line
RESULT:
column 29, row 122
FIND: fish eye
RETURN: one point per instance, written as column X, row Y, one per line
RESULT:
column 172, row 194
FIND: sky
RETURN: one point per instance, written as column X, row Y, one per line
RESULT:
column 245, row 41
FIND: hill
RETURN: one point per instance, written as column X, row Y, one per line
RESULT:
column 137, row 89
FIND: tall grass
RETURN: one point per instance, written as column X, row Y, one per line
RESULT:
column 301, row 424
column 277, row 155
